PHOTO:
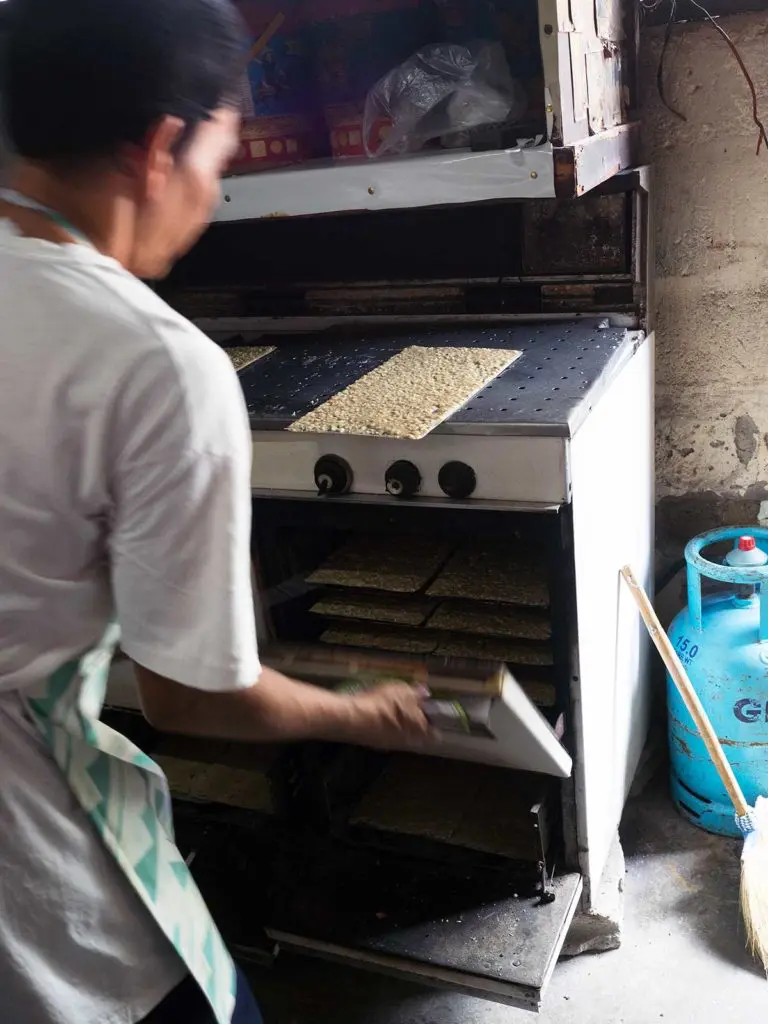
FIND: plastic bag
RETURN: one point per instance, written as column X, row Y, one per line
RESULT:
column 442, row 89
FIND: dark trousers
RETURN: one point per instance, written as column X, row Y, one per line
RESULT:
column 187, row 1004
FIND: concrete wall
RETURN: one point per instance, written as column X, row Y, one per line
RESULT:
column 712, row 288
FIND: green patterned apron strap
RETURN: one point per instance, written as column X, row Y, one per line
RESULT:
column 125, row 794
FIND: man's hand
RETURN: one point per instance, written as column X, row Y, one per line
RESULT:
column 390, row 717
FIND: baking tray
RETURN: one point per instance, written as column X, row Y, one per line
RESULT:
column 563, row 369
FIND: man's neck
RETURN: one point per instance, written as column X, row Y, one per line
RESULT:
column 94, row 205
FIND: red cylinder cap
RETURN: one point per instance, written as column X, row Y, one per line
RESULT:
column 746, row 543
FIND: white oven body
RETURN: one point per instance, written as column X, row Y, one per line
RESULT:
column 606, row 471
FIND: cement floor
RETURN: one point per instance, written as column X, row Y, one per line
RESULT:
column 682, row 960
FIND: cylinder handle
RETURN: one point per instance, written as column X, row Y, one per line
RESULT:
column 698, row 566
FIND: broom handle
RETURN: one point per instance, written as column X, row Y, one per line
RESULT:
column 687, row 692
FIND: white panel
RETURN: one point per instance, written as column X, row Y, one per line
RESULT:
column 519, row 469
column 583, row 17
column 523, row 738
column 281, row 465
column 612, row 480
column 433, row 179
column 578, row 76
column 555, row 56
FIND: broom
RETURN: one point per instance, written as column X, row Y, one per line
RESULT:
column 753, row 821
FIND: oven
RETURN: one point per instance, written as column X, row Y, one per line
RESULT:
column 484, row 558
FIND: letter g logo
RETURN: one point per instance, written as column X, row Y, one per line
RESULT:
column 747, row 710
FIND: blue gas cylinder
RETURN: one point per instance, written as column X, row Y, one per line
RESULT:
column 722, row 640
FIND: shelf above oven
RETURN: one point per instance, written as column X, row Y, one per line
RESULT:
column 446, row 178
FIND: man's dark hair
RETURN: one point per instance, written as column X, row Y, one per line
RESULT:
column 81, row 78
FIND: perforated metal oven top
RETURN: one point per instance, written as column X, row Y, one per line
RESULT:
column 550, row 389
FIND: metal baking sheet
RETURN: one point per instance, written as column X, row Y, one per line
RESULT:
column 509, row 651
column 564, row 367
column 381, row 638
column 398, row 609
column 401, row 564
column 542, row 694
column 494, row 570
column 490, row 619
column 473, row 806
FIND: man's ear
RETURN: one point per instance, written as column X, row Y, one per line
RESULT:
column 159, row 157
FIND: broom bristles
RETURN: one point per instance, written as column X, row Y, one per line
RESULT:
column 754, row 883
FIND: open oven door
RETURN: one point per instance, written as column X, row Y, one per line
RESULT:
column 467, row 935
column 481, row 922
column 447, row 918
column 518, row 735
column 411, row 908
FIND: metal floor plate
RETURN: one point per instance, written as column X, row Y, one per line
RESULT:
column 551, row 388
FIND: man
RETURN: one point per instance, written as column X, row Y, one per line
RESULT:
column 124, row 494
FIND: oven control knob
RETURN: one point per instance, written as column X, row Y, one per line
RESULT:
column 333, row 475
column 457, row 480
column 402, row 479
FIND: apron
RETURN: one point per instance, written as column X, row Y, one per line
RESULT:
column 125, row 794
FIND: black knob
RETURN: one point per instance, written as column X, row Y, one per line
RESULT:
column 333, row 475
column 402, row 479
column 457, row 480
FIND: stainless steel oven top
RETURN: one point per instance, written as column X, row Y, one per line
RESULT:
column 564, row 368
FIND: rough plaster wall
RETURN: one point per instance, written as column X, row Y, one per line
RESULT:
column 712, row 287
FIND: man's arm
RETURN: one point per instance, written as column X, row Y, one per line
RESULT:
column 279, row 708
column 181, row 562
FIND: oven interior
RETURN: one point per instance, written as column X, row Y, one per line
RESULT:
column 419, row 581
column 429, row 582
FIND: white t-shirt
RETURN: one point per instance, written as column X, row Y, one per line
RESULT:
column 124, row 488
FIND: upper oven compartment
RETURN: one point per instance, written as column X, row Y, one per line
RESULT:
column 509, row 443
column 563, row 369
column 568, row 128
